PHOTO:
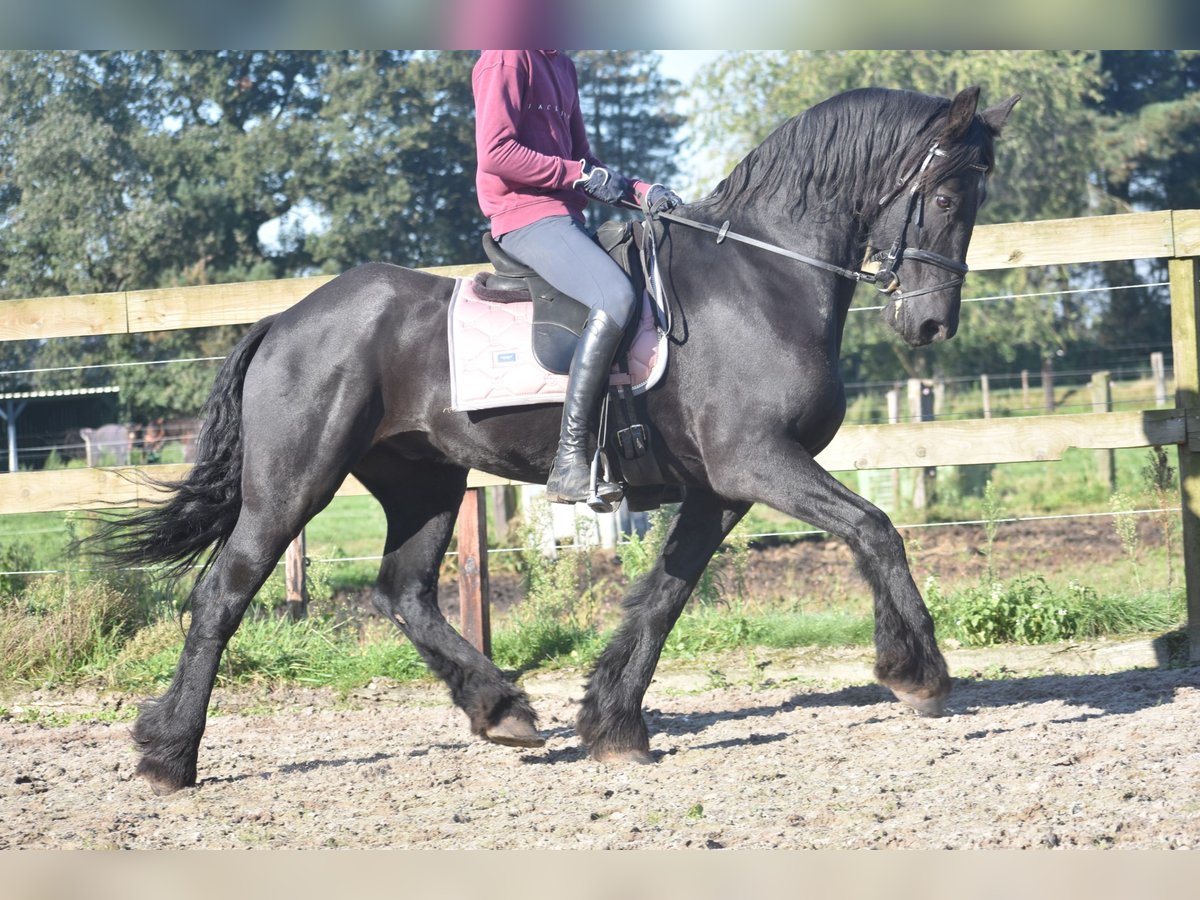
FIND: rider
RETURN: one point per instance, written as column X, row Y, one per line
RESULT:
column 536, row 173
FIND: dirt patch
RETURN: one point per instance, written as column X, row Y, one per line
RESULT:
column 1069, row 745
column 822, row 568
column 782, row 756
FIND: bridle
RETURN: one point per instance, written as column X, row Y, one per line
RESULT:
column 886, row 280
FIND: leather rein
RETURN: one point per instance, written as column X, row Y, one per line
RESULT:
column 886, row 280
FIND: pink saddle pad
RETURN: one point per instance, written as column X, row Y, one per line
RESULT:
column 491, row 354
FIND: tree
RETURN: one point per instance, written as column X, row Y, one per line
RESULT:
column 628, row 106
column 130, row 170
column 1046, row 157
column 1149, row 143
column 393, row 173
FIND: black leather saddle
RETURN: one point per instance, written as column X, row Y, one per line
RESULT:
column 557, row 324
column 557, row 318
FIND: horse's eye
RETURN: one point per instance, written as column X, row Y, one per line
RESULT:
column 943, row 202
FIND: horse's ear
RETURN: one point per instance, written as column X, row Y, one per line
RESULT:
column 995, row 117
column 961, row 115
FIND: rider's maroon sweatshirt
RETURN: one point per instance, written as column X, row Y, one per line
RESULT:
column 529, row 137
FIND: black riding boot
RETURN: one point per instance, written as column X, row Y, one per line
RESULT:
column 570, row 475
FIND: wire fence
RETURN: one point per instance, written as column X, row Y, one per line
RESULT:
column 1068, row 380
column 580, row 547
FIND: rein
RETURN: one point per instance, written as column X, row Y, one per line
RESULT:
column 885, row 280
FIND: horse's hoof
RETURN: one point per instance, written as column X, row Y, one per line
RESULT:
column 161, row 785
column 512, row 731
column 925, row 704
column 624, row 757
column 161, row 780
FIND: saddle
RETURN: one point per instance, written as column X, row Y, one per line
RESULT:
column 557, row 317
column 624, row 447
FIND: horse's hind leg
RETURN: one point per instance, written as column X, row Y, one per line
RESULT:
column 421, row 501
column 610, row 719
column 169, row 729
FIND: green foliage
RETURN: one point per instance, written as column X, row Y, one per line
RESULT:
column 315, row 651
column 1127, row 530
column 750, row 93
column 558, row 617
column 1028, row 610
column 993, row 511
column 628, row 108
column 319, row 579
column 1023, row 610
column 15, row 556
column 1094, row 133
column 1158, row 477
column 143, row 169
column 59, row 629
column 638, row 553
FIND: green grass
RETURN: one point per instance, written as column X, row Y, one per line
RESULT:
column 705, row 630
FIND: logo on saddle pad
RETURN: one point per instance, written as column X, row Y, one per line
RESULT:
column 492, row 364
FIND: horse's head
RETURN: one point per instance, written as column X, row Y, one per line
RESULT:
column 921, row 233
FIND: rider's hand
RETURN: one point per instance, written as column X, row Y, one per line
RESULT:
column 660, row 199
column 603, row 185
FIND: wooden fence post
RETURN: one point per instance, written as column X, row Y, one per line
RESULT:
column 1102, row 402
column 474, row 612
column 1159, row 369
column 920, row 409
column 502, row 499
column 986, row 387
column 1185, row 336
column 297, row 586
column 893, row 413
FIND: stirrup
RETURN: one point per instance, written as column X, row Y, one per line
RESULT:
column 603, row 495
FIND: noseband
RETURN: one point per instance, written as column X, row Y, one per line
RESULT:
column 886, row 280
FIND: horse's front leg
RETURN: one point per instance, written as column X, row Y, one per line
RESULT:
column 785, row 476
column 610, row 720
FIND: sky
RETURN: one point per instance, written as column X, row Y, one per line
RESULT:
column 696, row 175
column 682, row 65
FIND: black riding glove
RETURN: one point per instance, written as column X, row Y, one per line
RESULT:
column 603, row 185
column 661, row 199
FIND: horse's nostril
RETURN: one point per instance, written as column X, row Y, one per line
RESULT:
column 932, row 330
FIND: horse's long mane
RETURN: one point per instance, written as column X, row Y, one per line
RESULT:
column 846, row 153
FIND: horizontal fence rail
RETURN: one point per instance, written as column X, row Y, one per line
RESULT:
column 1173, row 235
column 1020, row 244
column 855, row 447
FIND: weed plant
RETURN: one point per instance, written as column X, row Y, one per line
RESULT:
column 558, row 619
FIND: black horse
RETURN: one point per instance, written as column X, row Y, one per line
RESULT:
column 353, row 380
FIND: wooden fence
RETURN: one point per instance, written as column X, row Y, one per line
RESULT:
column 1174, row 235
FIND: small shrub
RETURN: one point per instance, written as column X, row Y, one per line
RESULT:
column 639, row 552
column 60, row 629
column 1158, row 475
column 559, row 614
column 54, row 460
column 1126, row 527
column 15, row 556
column 1024, row 610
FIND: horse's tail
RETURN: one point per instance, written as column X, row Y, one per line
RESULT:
column 203, row 508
